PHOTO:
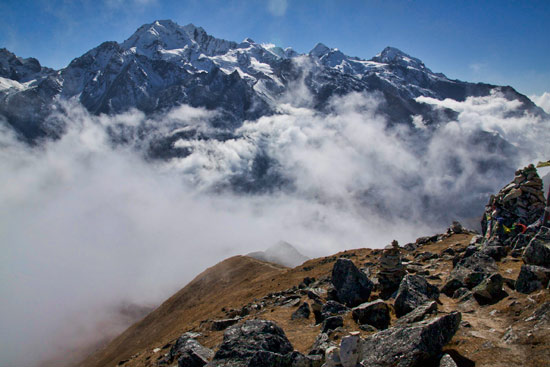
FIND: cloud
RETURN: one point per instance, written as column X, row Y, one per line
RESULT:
column 543, row 101
column 88, row 225
column 277, row 7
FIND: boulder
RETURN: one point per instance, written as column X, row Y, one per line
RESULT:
column 447, row 361
column 331, row 323
column 349, row 350
column 332, row 357
column 376, row 313
column 242, row 342
column 532, row 278
column 450, row 287
column 471, row 270
column 223, row 324
column 193, row 354
column 413, row 291
column 418, row 314
column 537, row 251
column 408, row 346
column 332, row 308
column 489, row 291
column 189, row 352
column 321, row 344
column 302, row 312
column 351, row 285
column 496, row 252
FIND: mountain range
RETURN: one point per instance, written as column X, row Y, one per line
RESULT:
column 163, row 65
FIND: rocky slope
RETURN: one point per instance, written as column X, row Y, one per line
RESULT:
column 452, row 299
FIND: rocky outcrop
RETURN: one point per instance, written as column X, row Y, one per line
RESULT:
column 408, row 346
column 490, row 290
column 351, row 285
column 537, row 251
column 242, row 342
column 188, row 352
column 376, row 313
column 469, row 272
column 413, row 291
column 532, row 278
column 418, row 314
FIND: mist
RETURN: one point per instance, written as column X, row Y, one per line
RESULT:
column 88, row 225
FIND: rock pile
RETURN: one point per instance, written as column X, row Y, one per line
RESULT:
column 391, row 270
column 518, row 204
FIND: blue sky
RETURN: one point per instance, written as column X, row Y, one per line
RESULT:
column 501, row 42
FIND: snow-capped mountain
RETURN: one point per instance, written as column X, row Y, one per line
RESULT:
column 163, row 65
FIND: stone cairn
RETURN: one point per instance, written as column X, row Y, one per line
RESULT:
column 520, row 203
column 391, row 270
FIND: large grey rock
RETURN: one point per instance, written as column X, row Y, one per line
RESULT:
column 489, row 291
column 413, row 291
column 376, row 313
column 471, row 271
column 409, row 346
column 537, row 251
column 331, row 323
column 193, row 354
column 242, row 342
column 332, row 308
column 349, row 350
column 532, row 278
column 351, row 285
column 418, row 314
column 189, row 352
column 270, row 359
column 223, row 324
column 321, row 344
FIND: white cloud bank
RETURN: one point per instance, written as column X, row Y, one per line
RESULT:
column 543, row 101
column 86, row 226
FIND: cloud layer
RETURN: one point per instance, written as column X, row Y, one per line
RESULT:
column 89, row 225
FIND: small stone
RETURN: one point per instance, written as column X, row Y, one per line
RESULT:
column 349, row 352
column 302, row 312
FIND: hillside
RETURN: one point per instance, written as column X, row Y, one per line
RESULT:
column 269, row 292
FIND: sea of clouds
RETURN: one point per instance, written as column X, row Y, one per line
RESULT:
column 87, row 225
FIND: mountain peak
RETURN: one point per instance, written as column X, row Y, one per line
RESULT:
column 319, row 50
column 392, row 55
column 166, row 34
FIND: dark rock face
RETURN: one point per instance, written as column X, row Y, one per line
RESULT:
column 532, row 278
column 538, row 250
column 333, row 308
column 302, row 312
column 242, row 342
column 418, row 314
column 496, row 252
column 376, row 313
column 410, row 345
column 321, row 344
column 472, row 270
column 352, row 286
column 490, row 290
column 223, row 324
column 332, row 323
column 413, row 291
column 189, row 352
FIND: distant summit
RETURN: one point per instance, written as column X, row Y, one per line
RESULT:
column 282, row 253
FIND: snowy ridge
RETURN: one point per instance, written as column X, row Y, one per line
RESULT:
column 163, row 65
